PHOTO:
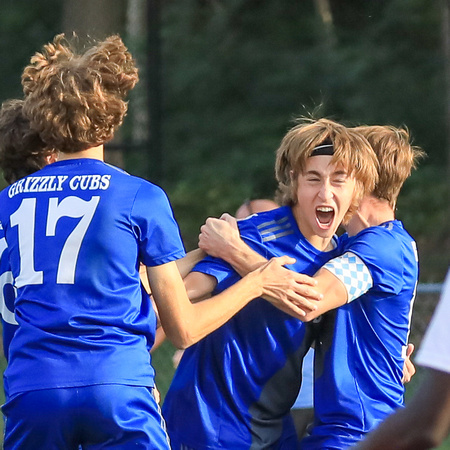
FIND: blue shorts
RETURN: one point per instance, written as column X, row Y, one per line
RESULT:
column 110, row 416
column 288, row 441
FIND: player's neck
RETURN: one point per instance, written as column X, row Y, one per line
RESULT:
column 371, row 212
column 92, row 153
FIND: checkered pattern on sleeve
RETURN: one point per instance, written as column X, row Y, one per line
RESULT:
column 352, row 271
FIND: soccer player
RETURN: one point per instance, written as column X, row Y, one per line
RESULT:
column 303, row 410
column 425, row 421
column 22, row 153
column 238, row 384
column 361, row 347
column 79, row 371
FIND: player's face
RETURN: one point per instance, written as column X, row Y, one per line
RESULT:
column 324, row 194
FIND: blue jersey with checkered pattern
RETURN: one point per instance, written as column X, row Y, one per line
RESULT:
column 234, row 389
column 76, row 232
column 361, row 348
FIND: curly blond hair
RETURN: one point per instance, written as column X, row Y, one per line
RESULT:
column 351, row 150
column 22, row 151
column 77, row 101
column 396, row 158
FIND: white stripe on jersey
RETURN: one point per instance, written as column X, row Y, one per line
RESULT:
column 353, row 273
column 275, row 229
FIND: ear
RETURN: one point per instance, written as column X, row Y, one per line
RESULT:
column 51, row 158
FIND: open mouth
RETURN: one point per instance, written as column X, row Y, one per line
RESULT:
column 324, row 216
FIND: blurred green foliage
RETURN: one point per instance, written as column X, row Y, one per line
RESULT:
column 234, row 76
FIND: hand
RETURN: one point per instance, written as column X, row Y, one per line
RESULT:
column 218, row 237
column 408, row 367
column 289, row 291
column 156, row 394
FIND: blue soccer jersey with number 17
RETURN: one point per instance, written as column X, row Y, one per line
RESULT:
column 361, row 349
column 76, row 232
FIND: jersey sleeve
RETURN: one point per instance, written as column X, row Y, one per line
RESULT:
column 219, row 269
column 382, row 253
column 373, row 259
column 157, row 231
column 434, row 351
column 353, row 274
column 252, row 237
column 223, row 272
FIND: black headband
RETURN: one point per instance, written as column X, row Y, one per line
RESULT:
column 325, row 148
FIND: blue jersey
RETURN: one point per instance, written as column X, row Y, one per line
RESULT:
column 76, row 233
column 7, row 296
column 234, row 389
column 361, row 349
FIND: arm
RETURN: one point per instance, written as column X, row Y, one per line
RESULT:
column 186, row 323
column 333, row 291
column 199, row 286
column 220, row 238
column 186, row 264
column 424, row 423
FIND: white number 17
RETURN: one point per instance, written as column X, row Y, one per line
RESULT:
column 24, row 218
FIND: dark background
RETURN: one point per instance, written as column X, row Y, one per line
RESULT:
column 222, row 81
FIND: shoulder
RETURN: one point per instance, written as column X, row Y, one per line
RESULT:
column 268, row 224
column 378, row 240
column 389, row 253
column 148, row 193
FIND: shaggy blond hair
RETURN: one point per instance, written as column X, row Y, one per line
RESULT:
column 351, row 150
column 396, row 158
column 77, row 101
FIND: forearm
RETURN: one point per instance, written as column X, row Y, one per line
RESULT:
column 186, row 323
column 186, row 264
column 220, row 238
column 332, row 290
column 243, row 259
column 208, row 315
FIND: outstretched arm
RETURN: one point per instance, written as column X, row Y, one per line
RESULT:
column 424, row 423
column 220, row 238
column 186, row 323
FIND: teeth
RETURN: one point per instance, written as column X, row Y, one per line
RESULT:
column 324, row 209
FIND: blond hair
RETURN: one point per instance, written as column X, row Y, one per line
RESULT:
column 77, row 101
column 351, row 150
column 396, row 158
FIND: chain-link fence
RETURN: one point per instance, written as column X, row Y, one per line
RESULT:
column 426, row 300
